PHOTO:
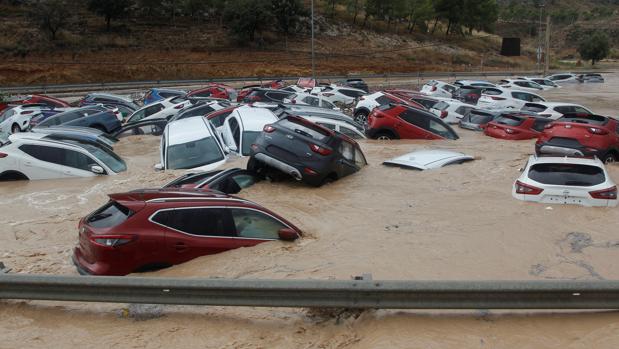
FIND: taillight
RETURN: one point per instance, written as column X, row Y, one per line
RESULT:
column 320, row 150
column 309, row 171
column 597, row 131
column 179, row 106
column 362, row 98
column 526, row 189
column 294, row 101
column 510, row 131
column 112, row 240
column 268, row 128
column 433, row 88
column 497, row 98
column 254, row 147
column 444, row 114
column 3, row 155
column 605, row 194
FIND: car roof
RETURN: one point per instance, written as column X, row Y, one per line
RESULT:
column 534, row 159
column 254, row 118
column 173, row 194
column 187, row 130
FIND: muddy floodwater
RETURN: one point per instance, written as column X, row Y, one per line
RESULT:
column 458, row 222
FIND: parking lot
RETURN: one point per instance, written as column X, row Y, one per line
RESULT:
column 457, row 222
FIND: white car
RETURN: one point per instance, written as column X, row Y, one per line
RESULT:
column 241, row 128
column 474, row 83
column 546, row 84
column 564, row 180
column 346, row 127
column 192, row 144
column 437, row 88
column 505, row 98
column 17, row 119
column 367, row 103
column 563, row 78
column 339, row 94
column 451, row 110
column 40, row 156
column 521, row 84
column 555, row 110
column 428, row 159
column 312, row 99
column 162, row 109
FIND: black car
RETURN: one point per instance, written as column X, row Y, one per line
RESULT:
column 267, row 95
column 468, row 94
column 306, row 151
column 229, row 181
column 356, row 83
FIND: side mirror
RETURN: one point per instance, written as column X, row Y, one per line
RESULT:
column 158, row 167
column 97, row 169
column 287, row 234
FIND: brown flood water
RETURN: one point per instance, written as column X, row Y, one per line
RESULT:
column 458, row 222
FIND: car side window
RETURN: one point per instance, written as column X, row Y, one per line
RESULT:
column 382, row 100
column 197, row 221
column 327, row 104
column 313, row 101
column 236, row 131
column 60, row 156
column 68, row 117
column 347, row 150
column 414, row 118
column 580, row 110
column 463, row 110
column 253, row 224
column 360, row 158
column 539, row 125
column 153, row 109
column 350, row 133
column 564, row 109
column 138, row 115
column 438, row 128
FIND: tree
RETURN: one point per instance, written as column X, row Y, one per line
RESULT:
column 245, row 17
column 480, row 14
column 109, row 9
column 353, row 7
column 52, row 15
column 594, row 48
column 418, row 12
column 286, row 13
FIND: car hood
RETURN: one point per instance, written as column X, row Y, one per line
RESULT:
column 428, row 159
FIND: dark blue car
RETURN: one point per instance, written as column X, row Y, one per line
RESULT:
column 106, row 121
column 157, row 94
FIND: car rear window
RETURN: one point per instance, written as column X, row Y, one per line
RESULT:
column 304, row 129
column 536, row 108
column 510, row 120
column 492, row 92
column 110, row 215
column 584, row 119
column 567, row 174
column 479, row 117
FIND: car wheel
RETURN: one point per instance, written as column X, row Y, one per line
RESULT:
column 384, row 136
column 15, row 129
column 609, row 159
column 362, row 118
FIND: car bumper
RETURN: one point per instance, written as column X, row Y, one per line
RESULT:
column 280, row 165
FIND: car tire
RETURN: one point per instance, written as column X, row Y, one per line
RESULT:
column 609, row 158
column 361, row 117
column 384, row 136
column 15, row 129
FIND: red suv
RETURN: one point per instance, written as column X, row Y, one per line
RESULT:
column 516, row 126
column 214, row 91
column 396, row 121
column 581, row 135
column 153, row 228
column 36, row 99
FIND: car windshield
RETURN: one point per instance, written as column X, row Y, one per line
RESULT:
column 106, row 156
column 477, row 117
column 567, row 174
column 194, row 154
column 249, row 138
column 509, row 120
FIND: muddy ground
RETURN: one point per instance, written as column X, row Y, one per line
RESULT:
column 458, row 222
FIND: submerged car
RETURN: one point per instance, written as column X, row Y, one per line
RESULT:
column 437, row 88
column 564, row 180
column 156, row 94
column 450, row 110
column 555, row 110
column 590, row 77
column 516, row 126
column 154, row 228
column 581, row 135
column 501, row 98
column 428, row 159
column 306, row 151
column 477, row 119
column 367, row 103
column 243, row 126
column 229, row 181
column 396, row 121
column 41, row 156
column 190, row 143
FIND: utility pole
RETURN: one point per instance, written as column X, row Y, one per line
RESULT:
column 313, row 64
column 539, row 38
column 547, row 48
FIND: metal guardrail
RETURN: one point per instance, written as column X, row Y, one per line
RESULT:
column 109, row 86
column 361, row 293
